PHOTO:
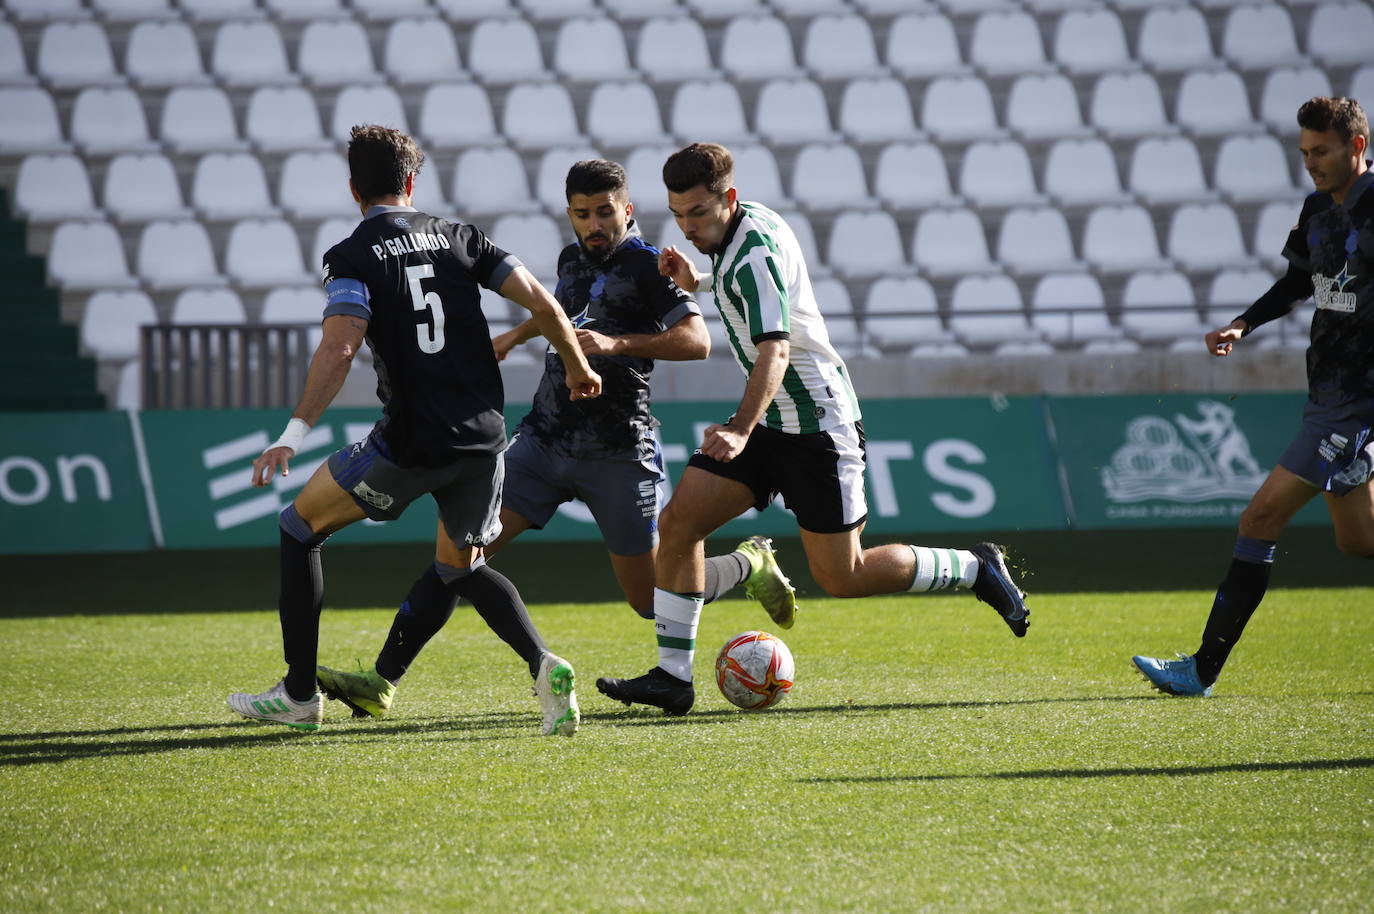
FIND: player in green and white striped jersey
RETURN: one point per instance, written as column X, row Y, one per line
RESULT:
column 796, row 433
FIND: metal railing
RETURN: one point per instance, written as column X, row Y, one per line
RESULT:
column 222, row 366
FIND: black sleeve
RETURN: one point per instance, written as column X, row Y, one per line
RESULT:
column 484, row 261
column 1291, row 288
column 669, row 301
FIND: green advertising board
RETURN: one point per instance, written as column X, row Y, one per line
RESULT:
column 69, row 482
column 1172, row 461
column 180, row 479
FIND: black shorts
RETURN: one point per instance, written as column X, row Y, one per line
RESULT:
column 820, row 475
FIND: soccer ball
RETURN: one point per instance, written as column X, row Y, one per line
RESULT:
column 754, row 670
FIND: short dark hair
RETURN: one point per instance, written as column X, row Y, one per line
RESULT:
column 1342, row 115
column 380, row 159
column 708, row 164
column 594, row 176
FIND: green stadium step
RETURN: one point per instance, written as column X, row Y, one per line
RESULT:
column 44, row 402
column 34, row 339
column 46, row 374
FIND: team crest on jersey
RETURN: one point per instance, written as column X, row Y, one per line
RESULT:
column 401, row 222
column 1329, row 291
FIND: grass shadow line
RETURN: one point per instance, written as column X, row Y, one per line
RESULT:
column 1053, row 773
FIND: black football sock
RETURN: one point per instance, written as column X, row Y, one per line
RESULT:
column 425, row 610
column 299, row 600
column 498, row 603
column 1236, row 601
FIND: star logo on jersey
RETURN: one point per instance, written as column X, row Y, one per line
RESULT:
column 1343, row 278
column 581, row 320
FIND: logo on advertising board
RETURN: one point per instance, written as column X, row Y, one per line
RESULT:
column 1187, row 460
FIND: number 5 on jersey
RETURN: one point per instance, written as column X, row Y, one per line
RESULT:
column 421, row 300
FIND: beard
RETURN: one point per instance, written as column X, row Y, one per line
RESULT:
column 601, row 252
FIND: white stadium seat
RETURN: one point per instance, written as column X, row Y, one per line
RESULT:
column 806, row 240
column 314, row 185
column 757, row 47
column 133, row 10
column 950, row 242
column 913, row 176
column 1090, row 41
column 1362, row 83
column 1035, row 240
column 1285, row 89
column 551, row 178
column 14, row 70
column 901, row 312
column 438, row 126
column 1082, row 171
column 971, row 301
column 261, row 253
column 87, row 255
column 198, row 119
column 1128, row 105
column 208, row 306
column 1213, row 103
column 250, row 53
column 110, row 322
column 391, row 10
column 176, row 255
column 335, row 53
column 644, row 172
column 1007, row 42
column 1205, row 236
column 293, row 305
column 1121, row 238
column 1232, row 291
column 865, row 244
column 1174, row 38
column 624, row 113
column 539, row 115
column 535, row 239
column 303, row 10
column 1144, row 291
column 1272, row 225
column 997, row 173
column 420, row 51
column 1070, row 308
column 708, row 109
column 490, row 180
column 1167, row 170
column 876, row 110
column 673, row 48
column 840, row 47
column 220, row 10
column 110, row 120
column 327, row 234
column 634, row 10
column 139, row 188
column 557, row 9
column 164, row 54
column 591, row 49
column 1252, row 168
column 958, row 108
column 711, row 10
column 283, row 118
column 230, row 186
column 505, row 51
column 366, row 105
column 73, row 54
column 923, row 46
column 792, row 111
column 52, row 188
column 1341, row 34
column 30, row 120
column 830, row 177
column 756, row 175
column 467, row 11
column 1259, row 37
column 1044, row 107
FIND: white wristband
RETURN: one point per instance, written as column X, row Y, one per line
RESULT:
column 292, row 436
column 705, row 282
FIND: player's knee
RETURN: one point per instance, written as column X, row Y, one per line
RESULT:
column 1260, row 521
column 1356, row 545
column 837, row 583
column 645, row 610
column 678, row 526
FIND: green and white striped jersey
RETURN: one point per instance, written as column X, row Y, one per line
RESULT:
column 763, row 291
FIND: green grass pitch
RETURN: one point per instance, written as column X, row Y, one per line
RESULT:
column 926, row 761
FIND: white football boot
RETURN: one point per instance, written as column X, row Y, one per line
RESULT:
column 554, row 687
column 276, row 706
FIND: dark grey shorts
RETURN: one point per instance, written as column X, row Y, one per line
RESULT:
column 1333, row 449
column 622, row 495
column 467, row 491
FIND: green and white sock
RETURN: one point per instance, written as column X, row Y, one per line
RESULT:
column 675, row 620
column 941, row 569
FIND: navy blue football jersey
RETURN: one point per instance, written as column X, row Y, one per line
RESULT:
column 1335, row 245
column 415, row 279
column 623, row 294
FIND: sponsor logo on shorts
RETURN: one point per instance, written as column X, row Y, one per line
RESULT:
column 379, row 500
column 1332, row 446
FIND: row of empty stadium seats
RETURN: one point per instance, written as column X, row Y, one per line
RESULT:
column 166, row 51
column 822, row 178
column 105, row 121
column 262, row 252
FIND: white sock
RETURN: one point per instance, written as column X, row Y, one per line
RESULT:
column 675, row 621
column 941, row 569
column 723, row 573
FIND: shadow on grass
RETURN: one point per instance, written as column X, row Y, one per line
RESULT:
column 47, row 748
column 1054, row 773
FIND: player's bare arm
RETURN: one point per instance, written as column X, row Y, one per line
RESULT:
column 724, row 442
column 675, row 265
column 523, row 332
column 685, row 341
column 343, row 335
column 1219, row 341
column 522, row 288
